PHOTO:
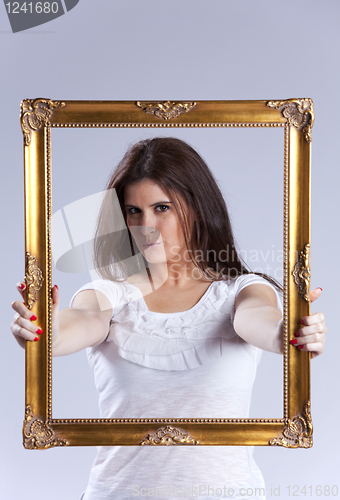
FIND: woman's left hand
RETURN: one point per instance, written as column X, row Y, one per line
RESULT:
column 311, row 334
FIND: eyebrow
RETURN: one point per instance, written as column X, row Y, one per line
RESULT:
column 153, row 205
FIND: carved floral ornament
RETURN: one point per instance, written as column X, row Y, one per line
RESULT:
column 35, row 114
column 298, row 432
column 301, row 273
column 168, row 436
column 34, row 279
column 299, row 113
column 166, row 109
column 38, row 434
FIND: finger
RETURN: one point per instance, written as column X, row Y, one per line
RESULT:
column 312, row 319
column 314, row 338
column 315, row 348
column 19, row 331
column 309, row 330
column 21, row 325
column 22, row 310
column 315, row 294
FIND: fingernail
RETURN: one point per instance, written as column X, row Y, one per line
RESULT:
column 302, row 322
column 36, row 339
column 21, row 286
column 319, row 288
column 33, row 317
column 39, row 331
column 297, row 334
column 56, row 287
column 293, row 341
column 300, row 346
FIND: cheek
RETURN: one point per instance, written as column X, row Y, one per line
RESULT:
column 133, row 230
column 174, row 232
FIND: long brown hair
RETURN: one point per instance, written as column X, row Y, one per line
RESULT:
column 188, row 181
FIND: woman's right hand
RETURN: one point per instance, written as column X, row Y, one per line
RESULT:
column 25, row 325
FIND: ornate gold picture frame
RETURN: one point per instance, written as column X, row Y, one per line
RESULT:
column 295, row 117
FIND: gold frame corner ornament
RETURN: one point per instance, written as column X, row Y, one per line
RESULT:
column 34, row 279
column 38, row 434
column 166, row 109
column 298, row 433
column 302, row 274
column 36, row 113
column 298, row 112
column 169, row 436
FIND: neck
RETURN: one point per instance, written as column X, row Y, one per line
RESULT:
column 178, row 274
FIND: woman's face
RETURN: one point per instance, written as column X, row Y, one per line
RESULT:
column 153, row 222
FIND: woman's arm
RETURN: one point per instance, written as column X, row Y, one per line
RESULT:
column 259, row 322
column 85, row 324
column 257, row 319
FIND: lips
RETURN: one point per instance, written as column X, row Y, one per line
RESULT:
column 151, row 245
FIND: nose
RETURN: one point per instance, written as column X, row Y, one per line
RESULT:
column 147, row 225
column 147, row 230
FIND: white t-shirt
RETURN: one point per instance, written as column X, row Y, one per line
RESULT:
column 190, row 364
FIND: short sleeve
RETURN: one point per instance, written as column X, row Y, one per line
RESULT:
column 252, row 279
column 113, row 291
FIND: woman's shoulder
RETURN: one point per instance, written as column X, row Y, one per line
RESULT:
column 234, row 285
column 115, row 291
column 239, row 283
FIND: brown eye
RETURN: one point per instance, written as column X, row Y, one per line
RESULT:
column 162, row 208
column 132, row 211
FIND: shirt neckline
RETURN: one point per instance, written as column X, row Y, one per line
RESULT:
column 201, row 300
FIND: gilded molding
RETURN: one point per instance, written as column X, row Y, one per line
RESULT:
column 302, row 274
column 34, row 279
column 35, row 114
column 168, row 436
column 299, row 113
column 298, row 432
column 38, row 434
column 166, row 109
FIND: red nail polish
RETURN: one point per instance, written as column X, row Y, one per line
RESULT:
column 39, row 331
column 300, row 346
column 56, row 287
column 319, row 288
column 302, row 322
column 33, row 317
column 21, row 286
column 293, row 341
column 36, row 339
column 297, row 334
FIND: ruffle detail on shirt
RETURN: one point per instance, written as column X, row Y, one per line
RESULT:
column 177, row 341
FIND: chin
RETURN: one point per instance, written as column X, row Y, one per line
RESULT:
column 153, row 259
column 155, row 256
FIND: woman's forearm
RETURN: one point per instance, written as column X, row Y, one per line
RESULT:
column 260, row 326
column 78, row 329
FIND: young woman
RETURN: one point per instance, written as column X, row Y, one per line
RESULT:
column 174, row 329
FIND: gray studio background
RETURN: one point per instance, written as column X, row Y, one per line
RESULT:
column 186, row 50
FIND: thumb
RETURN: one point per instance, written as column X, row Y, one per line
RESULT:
column 315, row 294
column 55, row 298
column 21, row 287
